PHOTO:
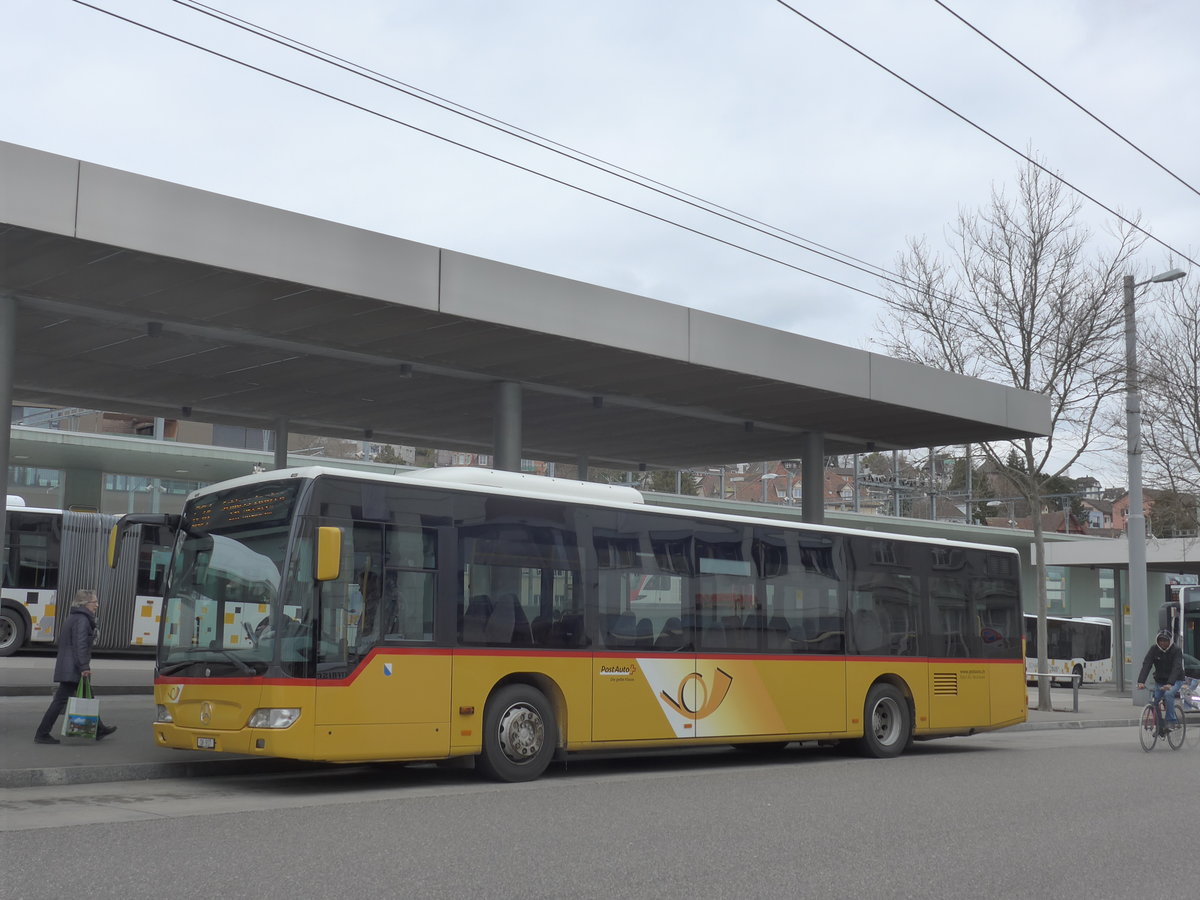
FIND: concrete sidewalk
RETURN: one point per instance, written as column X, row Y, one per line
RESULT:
column 124, row 688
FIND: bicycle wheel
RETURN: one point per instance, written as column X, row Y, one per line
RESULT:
column 1176, row 735
column 1148, row 728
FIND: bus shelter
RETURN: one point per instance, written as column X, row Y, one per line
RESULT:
column 129, row 294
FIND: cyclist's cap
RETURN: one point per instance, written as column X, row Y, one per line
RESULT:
column 1165, row 635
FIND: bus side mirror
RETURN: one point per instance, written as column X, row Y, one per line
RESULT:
column 117, row 534
column 329, row 553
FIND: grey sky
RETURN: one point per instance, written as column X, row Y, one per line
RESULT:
column 740, row 102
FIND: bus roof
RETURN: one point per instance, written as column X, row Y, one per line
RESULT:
column 492, row 481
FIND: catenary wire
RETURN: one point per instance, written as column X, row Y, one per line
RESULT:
column 982, row 130
column 545, row 143
column 492, row 156
column 1068, row 98
column 886, row 300
column 542, row 141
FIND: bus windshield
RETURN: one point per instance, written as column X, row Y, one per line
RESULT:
column 222, row 609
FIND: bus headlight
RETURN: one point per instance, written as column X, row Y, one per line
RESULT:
column 163, row 715
column 273, row 718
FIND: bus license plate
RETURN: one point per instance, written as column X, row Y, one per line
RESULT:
column 203, row 743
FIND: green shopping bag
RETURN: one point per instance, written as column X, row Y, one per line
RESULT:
column 83, row 713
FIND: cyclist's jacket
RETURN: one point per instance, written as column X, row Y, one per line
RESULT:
column 1168, row 664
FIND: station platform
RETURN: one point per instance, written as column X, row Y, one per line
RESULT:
column 125, row 686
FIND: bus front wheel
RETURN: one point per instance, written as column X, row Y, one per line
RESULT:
column 12, row 631
column 518, row 734
column 887, row 723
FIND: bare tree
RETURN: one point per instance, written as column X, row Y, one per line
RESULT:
column 1169, row 357
column 1026, row 301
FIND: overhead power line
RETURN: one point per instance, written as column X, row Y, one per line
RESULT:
column 492, row 156
column 1003, row 143
column 1068, row 98
column 564, row 150
column 536, row 140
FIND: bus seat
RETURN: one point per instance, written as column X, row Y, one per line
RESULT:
column 621, row 633
column 671, row 636
column 796, row 640
column 502, row 622
column 826, row 633
column 475, row 618
column 645, row 634
column 752, row 631
column 568, row 631
column 521, row 630
column 868, row 632
column 778, row 628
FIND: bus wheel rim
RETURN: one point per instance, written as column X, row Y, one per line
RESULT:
column 885, row 721
column 522, row 733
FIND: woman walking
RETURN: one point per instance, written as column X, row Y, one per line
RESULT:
column 73, row 663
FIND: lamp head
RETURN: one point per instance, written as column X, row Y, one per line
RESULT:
column 1169, row 275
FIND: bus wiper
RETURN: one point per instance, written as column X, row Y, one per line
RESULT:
column 241, row 664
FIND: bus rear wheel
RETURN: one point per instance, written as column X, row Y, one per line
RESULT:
column 519, row 734
column 12, row 631
column 887, row 723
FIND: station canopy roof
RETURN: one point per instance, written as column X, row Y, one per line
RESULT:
column 145, row 297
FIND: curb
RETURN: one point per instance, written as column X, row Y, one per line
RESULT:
column 1084, row 723
column 45, row 690
column 68, row 775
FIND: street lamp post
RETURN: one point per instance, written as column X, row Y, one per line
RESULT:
column 1135, row 527
column 767, row 476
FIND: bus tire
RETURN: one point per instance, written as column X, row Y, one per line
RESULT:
column 887, row 723
column 519, row 734
column 1078, row 673
column 12, row 631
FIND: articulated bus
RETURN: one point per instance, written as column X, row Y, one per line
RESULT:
column 471, row 613
column 1079, row 648
column 1180, row 614
column 51, row 553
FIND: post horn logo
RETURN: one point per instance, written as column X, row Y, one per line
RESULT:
column 708, row 700
column 205, row 712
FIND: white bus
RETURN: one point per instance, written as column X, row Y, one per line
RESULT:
column 50, row 554
column 1081, row 647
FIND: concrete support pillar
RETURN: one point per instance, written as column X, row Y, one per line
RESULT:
column 582, row 464
column 8, row 352
column 281, row 443
column 812, row 478
column 83, row 489
column 506, row 426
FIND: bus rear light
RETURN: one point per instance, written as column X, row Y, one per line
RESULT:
column 163, row 715
column 273, row 718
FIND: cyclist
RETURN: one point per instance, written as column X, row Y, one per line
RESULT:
column 1167, row 660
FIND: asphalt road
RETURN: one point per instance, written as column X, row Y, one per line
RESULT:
column 1066, row 812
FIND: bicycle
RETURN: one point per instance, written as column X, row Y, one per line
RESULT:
column 1190, row 698
column 1152, row 725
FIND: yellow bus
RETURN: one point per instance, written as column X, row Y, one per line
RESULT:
column 319, row 615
